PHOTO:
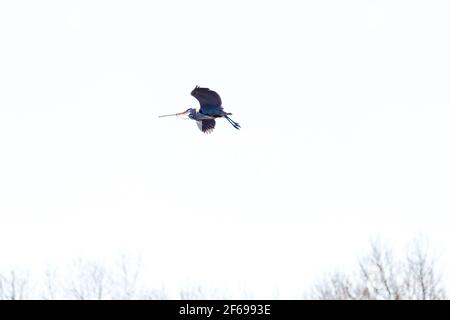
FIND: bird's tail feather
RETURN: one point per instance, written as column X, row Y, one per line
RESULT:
column 233, row 123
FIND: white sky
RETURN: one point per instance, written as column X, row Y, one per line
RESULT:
column 344, row 108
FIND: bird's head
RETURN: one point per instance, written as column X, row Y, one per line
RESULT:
column 187, row 113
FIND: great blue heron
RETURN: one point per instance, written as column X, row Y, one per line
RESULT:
column 210, row 108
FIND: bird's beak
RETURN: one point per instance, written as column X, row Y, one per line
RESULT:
column 170, row 115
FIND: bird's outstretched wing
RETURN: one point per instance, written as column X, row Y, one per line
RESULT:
column 207, row 97
column 207, row 125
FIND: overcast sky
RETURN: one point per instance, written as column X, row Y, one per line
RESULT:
column 344, row 108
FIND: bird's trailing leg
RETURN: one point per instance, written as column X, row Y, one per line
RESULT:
column 233, row 123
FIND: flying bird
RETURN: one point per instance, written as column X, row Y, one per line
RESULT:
column 210, row 109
